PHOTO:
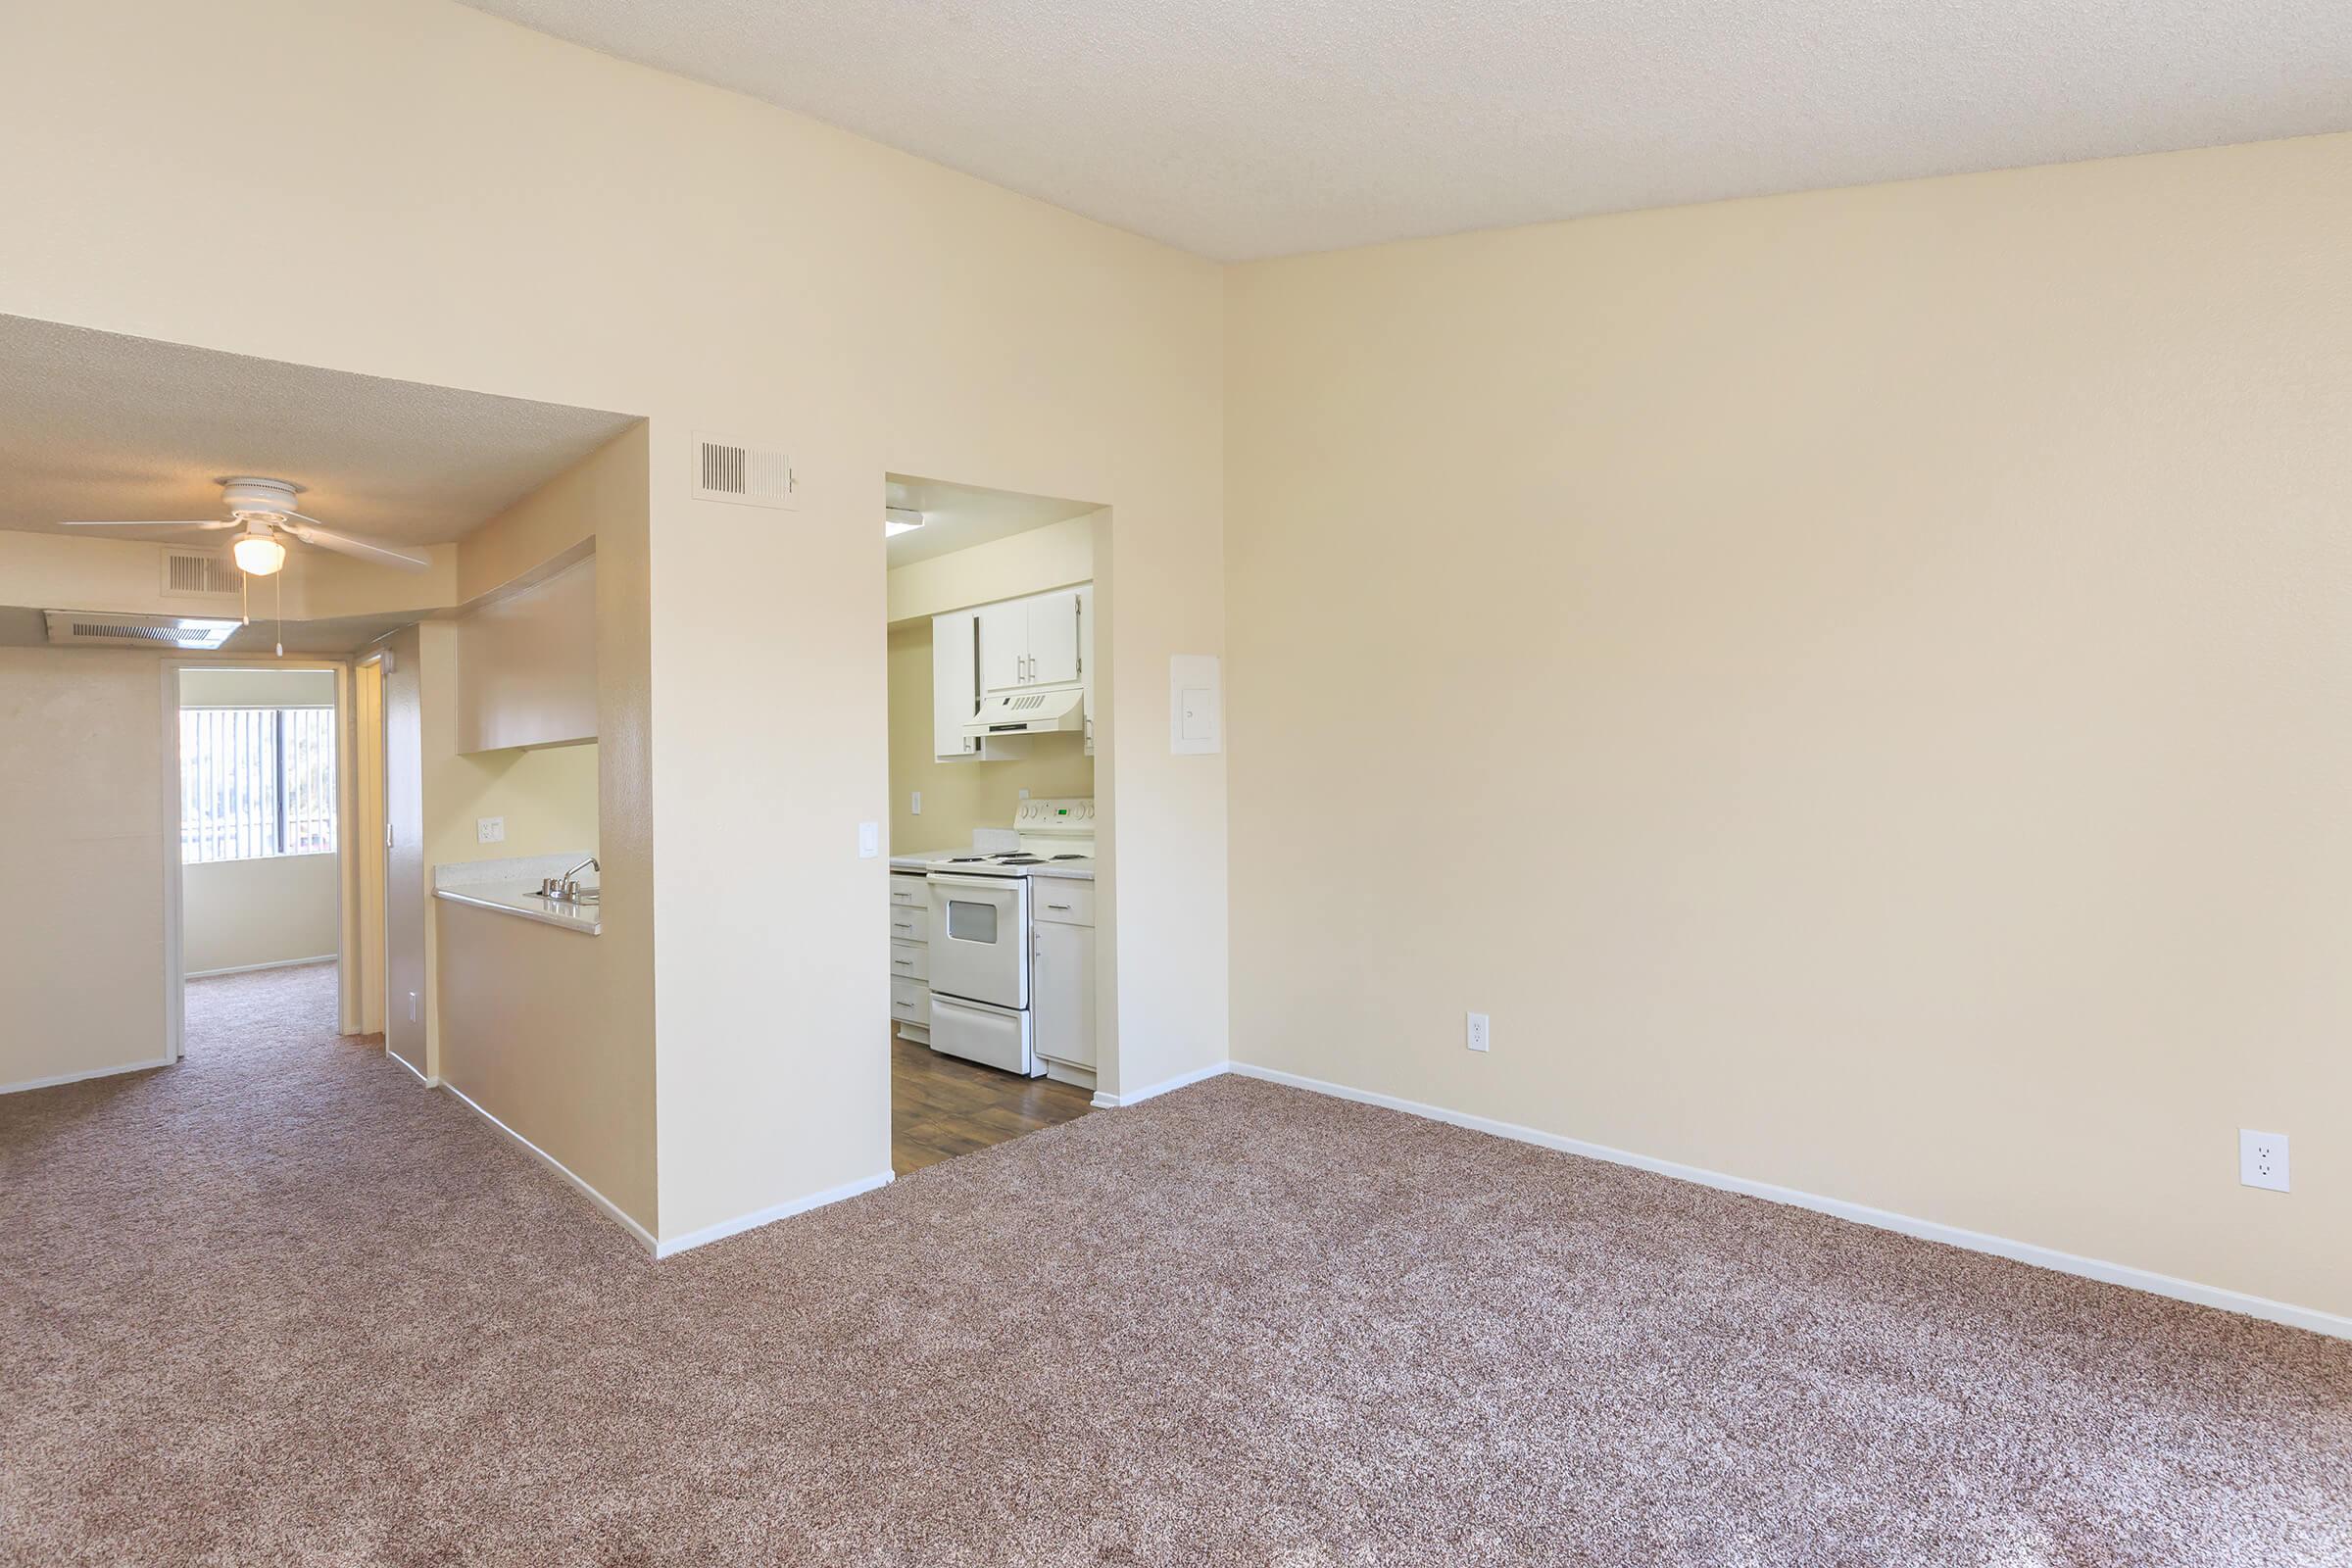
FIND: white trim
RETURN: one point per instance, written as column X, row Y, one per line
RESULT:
column 768, row 1216
column 249, row 968
column 2302, row 1317
column 175, row 947
column 426, row 1079
column 89, row 1072
column 644, row 1238
column 1183, row 1080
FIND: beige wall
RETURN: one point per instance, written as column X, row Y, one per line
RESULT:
column 274, row 909
column 1854, row 683
column 82, row 863
column 1027, row 562
column 255, row 686
column 522, row 1036
column 712, row 264
column 959, row 797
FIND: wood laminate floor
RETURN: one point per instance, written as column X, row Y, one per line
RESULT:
column 942, row 1106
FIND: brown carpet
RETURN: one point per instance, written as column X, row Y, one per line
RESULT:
column 282, row 1305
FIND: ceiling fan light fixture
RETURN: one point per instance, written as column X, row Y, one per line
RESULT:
column 258, row 555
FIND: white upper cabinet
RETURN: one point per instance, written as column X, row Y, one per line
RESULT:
column 1053, row 639
column 1004, row 646
column 954, row 688
column 1032, row 642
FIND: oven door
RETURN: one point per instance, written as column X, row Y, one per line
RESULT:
column 980, row 938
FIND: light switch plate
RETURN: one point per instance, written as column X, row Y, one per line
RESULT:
column 869, row 840
column 2262, row 1160
column 490, row 829
column 917, row 807
column 1195, row 706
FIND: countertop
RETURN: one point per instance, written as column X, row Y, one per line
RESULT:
column 523, row 899
column 512, row 887
column 1067, row 870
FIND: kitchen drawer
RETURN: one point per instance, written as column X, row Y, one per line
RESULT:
column 909, row 891
column 911, row 1002
column 910, row 961
column 910, row 925
column 1062, row 901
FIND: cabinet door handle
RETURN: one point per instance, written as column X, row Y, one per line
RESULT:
column 902, row 963
column 1058, row 907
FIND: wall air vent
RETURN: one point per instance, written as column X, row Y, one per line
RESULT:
column 94, row 630
column 746, row 475
column 198, row 574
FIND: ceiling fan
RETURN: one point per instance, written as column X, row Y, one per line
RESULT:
column 264, row 509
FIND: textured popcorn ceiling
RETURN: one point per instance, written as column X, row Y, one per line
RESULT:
column 95, row 425
column 1242, row 129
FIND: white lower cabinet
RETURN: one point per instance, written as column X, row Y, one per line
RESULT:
column 1062, row 979
column 910, row 955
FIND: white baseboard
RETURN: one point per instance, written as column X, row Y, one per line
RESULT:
column 1108, row 1102
column 430, row 1082
column 2302, row 1317
column 78, row 1077
column 768, row 1216
column 691, row 1238
column 644, row 1238
column 251, row 968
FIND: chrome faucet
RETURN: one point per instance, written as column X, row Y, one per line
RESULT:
column 562, row 888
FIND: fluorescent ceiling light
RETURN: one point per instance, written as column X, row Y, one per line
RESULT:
column 901, row 520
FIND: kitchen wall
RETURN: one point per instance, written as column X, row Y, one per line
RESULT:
column 82, row 861
column 277, row 909
column 1030, row 561
column 959, row 797
column 1854, row 683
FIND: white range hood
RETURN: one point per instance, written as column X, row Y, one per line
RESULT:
column 1029, row 714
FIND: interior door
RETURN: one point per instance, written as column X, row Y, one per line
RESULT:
column 1053, row 640
column 1004, row 646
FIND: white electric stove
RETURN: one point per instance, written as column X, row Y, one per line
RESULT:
column 981, row 937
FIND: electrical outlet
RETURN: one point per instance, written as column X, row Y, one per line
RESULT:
column 490, row 829
column 1478, row 1031
column 412, row 1007
column 2262, row 1160
column 917, row 807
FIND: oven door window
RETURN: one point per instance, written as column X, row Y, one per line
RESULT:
column 969, row 921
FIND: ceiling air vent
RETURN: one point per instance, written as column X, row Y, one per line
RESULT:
column 749, row 475
column 137, row 631
column 198, row 574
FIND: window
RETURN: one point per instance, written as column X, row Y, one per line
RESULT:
column 256, row 781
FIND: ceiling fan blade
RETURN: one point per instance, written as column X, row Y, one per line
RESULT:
column 311, row 531
column 165, row 523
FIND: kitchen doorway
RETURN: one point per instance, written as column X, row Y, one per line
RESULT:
column 998, row 941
